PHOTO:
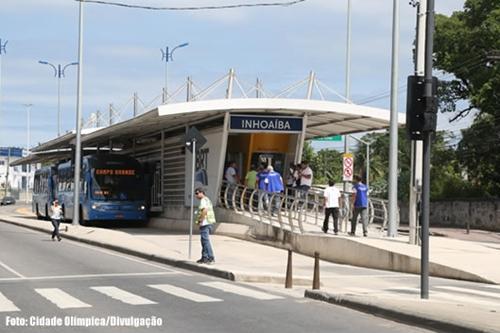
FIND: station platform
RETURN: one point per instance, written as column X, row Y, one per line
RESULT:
column 239, row 259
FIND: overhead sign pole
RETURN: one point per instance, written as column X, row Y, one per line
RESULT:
column 193, row 140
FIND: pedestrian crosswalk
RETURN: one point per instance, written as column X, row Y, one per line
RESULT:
column 219, row 291
column 63, row 299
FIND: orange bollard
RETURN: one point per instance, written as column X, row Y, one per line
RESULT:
column 316, row 271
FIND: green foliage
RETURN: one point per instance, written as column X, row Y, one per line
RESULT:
column 326, row 164
column 467, row 45
column 446, row 177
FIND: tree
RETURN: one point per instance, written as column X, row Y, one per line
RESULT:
column 467, row 45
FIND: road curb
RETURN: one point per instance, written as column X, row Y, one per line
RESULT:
column 364, row 305
column 160, row 259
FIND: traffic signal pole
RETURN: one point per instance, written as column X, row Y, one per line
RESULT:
column 430, row 110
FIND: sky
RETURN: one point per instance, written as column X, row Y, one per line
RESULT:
column 278, row 45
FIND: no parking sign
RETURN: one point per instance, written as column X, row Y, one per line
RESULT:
column 348, row 167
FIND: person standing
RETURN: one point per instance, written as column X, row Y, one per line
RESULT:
column 262, row 182
column 332, row 204
column 251, row 183
column 306, row 176
column 232, row 178
column 251, row 178
column 56, row 219
column 205, row 219
column 274, row 185
column 360, row 203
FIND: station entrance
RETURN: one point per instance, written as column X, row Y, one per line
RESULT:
column 261, row 149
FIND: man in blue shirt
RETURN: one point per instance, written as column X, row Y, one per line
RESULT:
column 274, row 185
column 360, row 203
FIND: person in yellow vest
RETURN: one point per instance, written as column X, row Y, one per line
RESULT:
column 205, row 219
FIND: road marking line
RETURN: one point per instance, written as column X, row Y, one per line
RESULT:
column 184, row 293
column 492, row 286
column 470, row 291
column 13, row 271
column 123, row 296
column 447, row 296
column 81, row 276
column 6, row 305
column 232, row 288
column 112, row 253
column 61, row 299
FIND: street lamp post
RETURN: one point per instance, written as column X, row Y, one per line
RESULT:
column 3, row 50
column 167, row 55
column 28, row 136
column 59, row 73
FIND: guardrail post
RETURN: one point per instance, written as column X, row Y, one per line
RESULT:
column 288, row 278
column 316, row 271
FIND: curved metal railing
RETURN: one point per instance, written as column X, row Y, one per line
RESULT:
column 293, row 210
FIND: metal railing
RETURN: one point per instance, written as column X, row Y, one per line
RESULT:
column 293, row 210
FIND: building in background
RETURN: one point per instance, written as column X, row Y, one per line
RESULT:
column 16, row 181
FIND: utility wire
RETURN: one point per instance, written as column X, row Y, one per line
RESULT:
column 242, row 5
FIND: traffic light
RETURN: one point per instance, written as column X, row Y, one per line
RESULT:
column 421, row 111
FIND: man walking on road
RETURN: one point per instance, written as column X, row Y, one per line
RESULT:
column 205, row 218
column 56, row 219
column 360, row 203
column 332, row 204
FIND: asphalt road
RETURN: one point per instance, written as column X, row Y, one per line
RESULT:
column 71, row 286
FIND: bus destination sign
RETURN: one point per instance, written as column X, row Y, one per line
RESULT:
column 115, row 172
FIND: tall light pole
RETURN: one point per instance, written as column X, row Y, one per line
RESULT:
column 59, row 73
column 28, row 125
column 393, row 128
column 167, row 55
column 3, row 50
column 78, row 144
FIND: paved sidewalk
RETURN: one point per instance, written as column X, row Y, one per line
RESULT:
column 245, row 261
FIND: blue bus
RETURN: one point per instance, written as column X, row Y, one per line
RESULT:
column 43, row 191
column 112, row 187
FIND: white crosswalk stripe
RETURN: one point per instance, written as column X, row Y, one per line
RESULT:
column 122, row 295
column 470, row 291
column 61, row 299
column 184, row 293
column 234, row 289
column 6, row 305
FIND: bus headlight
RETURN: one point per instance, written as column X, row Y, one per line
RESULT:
column 142, row 207
column 94, row 206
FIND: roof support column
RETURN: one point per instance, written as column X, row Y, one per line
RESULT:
column 300, row 141
column 222, row 156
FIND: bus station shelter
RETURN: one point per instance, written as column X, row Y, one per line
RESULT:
column 244, row 130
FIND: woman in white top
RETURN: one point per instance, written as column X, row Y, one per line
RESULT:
column 56, row 219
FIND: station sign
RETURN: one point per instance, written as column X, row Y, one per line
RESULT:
column 252, row 123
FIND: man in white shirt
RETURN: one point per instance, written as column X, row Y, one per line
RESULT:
column 232, row 178
column 306, row 176
column 332, row 204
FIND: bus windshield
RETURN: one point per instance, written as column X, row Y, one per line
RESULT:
column 117, row 184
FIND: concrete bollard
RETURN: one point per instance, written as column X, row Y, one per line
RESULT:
column 316, row 271
column 289, row 279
